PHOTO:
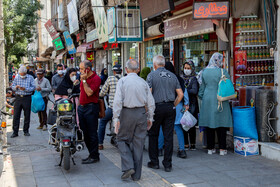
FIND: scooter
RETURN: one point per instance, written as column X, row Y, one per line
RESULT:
column 65, row 134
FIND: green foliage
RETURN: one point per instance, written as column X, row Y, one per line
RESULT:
column 20, row 19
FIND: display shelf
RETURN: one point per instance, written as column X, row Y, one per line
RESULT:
column 247, row 46
column 258, row 60
column 249, row 75
column 252, row 16
column 249, row 31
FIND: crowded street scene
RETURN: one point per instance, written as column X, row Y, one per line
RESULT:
column 161, row 93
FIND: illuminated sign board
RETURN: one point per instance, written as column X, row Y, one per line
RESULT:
column 211, row 10
column 107, row 45
column 58, row 44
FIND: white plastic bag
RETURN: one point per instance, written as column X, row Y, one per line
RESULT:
column 188, row 121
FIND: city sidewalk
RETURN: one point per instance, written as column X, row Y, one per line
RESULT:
column 30, row 161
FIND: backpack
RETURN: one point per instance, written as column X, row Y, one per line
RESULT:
column 225, row 90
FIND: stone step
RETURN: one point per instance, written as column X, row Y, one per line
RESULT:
column 270, row 150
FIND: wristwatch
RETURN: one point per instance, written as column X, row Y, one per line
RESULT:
column 84, row 81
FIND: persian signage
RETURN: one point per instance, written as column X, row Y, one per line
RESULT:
column 211, row 10
column 51, row 29
column 69, row 42
column 73, row 16
column 184, row 26
column 57, row 43
column 92, row 35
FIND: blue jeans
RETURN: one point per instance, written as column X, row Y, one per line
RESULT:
column 180, row 135
column 102, row 124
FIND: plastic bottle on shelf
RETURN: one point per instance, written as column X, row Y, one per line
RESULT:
column 269, row 67
column 248, row 70
column 267, row 53
column 249, row 54
column 260, row 53
column 238, row 82
column 272, row 66
column 259, row 67
column 265, row 67
column 256, row 53
column 259, row 25
column 237, row 27
column 263, row 39
column 259, row 42
column 262, row 68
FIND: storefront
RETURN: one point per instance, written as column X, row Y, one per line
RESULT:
column 191, row 39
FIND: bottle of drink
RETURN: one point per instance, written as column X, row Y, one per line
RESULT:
column 259, row 39
column 256, row 67
column 248, row 70
column 259, row 67
column 272, row 80
column 259, row 25
column 255, row 24
column 267, row 53
column 256, row 53
column 272, row 66
column 260, row 53
column 265, row 66
column 249, row 54
column 262, row 67
column 269, row 67
column 238, row 25
column 263, row 39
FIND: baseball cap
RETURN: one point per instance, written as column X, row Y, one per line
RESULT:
column 40, row 71
column 117, row 68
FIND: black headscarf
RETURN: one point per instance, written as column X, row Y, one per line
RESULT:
column 169, row 66
column 103, row 76
column 66, row 83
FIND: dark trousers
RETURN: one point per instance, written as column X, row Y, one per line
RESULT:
column 43, row 114
column 222, row 135
column 131, row 139
column 165, row 116
column 88, row 116
column 192, row 134
column 22, row 103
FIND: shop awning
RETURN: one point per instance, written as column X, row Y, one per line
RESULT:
column 183, row 26
column 151, row 9
column 60, row 56
column 82, row 48
column 41, row 59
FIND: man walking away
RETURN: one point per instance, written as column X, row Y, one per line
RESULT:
column 23, row 85
column 57, row 78
column 109, row 87
column 164, row 86
column 44, row 87
column 130, row 119
column 88, row 110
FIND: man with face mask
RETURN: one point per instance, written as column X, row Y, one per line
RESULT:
column 57, row 78
column 23, row 85
column 88, row 110
column 44, row 87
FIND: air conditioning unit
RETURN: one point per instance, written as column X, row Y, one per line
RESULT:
column 124, row 25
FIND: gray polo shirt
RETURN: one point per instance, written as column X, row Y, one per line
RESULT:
column 164, row 84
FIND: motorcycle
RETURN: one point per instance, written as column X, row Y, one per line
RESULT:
column 65, row 134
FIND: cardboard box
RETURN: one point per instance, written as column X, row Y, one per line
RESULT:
column 245, row 146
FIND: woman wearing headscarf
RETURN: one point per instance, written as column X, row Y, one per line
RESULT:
column 69, row 81
column 180, row 108
column 104, row 75
column 145, row 72
column 191, row 84
column 210, row 117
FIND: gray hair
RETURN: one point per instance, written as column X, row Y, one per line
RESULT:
column 159, row 60
column 22, row 69
column 132, row 65
column 87, row 64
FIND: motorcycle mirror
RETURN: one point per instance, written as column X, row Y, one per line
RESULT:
column 69, row 91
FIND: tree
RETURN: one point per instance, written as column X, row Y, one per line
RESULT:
column 20, row 20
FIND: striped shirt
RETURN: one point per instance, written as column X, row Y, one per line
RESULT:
column 28, row 83
column 110, row 87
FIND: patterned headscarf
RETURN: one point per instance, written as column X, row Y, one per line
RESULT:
column 216, row 61
column 193, row 74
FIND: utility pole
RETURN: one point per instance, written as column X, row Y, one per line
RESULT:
column 2, row 59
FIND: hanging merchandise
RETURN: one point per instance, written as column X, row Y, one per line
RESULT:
column 240, row 60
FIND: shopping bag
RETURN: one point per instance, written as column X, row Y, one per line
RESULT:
column 188, row 121
column 37, row 103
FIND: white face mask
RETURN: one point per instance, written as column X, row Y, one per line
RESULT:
column 73, row 78
column 60, row 72
column 187, row 71
column 23, row 77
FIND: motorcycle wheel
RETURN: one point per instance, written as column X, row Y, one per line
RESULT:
column 66, row 158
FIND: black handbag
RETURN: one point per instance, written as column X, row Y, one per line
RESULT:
column 52, row 115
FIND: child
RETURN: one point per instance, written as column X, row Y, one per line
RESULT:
column 10, row 99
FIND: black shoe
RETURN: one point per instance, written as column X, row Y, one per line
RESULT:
column 192, row 148
column 85, row 159
column 14, row 135
column 160, row 152
column 154, row 166
column 182, row 154
column 127, row 174
column 26, row 134
column 91, row 161
column 134, row 179
column 168, row 169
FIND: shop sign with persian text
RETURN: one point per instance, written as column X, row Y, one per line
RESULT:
column 211, row 10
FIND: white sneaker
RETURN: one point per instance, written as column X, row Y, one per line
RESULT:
column 223, row 152
column 211, row 151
